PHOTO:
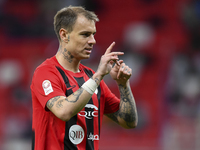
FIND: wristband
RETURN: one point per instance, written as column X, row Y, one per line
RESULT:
column 90, row 86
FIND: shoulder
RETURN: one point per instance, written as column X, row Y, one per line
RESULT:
column 45, row 71
column 48, row 64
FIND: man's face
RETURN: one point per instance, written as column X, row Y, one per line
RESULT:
column 81, row 39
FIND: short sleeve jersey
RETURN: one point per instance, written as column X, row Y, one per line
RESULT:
column 82, row 131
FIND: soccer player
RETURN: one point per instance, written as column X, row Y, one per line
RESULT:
column 70, row 99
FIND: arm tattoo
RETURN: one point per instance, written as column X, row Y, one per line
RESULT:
column 51, row 102
column 76, row 95
column 127, row 105
column 59, row 104
column 127, row 109
column 113, row 116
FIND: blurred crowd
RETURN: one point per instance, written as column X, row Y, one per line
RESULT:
column 160, row 39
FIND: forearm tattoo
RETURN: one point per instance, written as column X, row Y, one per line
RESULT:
column 76, row 96
column 59, row 104
column 127, row 109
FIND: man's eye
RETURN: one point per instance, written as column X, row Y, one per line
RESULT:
column 86, row 35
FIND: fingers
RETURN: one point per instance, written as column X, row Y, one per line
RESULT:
column 124, row 72
column 113, row 55
column 117, row 65
column 110, row 48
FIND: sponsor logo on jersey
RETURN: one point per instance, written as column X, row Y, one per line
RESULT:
column 93, row 137
column 76, row 134
column 46, row 84
column 89, row 113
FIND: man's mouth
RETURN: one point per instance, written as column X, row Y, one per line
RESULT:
column 88, row 50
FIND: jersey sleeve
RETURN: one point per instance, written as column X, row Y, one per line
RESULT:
column 111, row 101
column 46, row 84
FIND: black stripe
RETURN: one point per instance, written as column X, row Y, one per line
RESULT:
column 68, row 145
column 33, row 139
column 65, row 78
column 90, row 74
column 99, row 108
column 89, row 122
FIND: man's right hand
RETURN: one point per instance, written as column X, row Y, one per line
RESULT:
column 106, row 62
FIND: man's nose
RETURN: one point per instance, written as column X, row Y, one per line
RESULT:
column 92, row 40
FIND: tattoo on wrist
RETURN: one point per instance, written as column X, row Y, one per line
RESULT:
column 96, row 80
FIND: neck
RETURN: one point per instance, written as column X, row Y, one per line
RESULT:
column 67, row 61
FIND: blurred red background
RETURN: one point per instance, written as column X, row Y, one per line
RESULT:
column 160, row 39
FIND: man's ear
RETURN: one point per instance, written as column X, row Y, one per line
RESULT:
column 64, row 36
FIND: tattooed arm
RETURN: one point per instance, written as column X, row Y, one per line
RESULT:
column 126, row 116
column 66, row 107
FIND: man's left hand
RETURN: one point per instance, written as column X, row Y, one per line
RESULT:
column 121, row 73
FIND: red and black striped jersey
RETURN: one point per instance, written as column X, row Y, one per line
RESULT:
column 81, row 132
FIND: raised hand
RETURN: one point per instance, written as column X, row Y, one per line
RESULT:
column 107, row 60
column 121, row 73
